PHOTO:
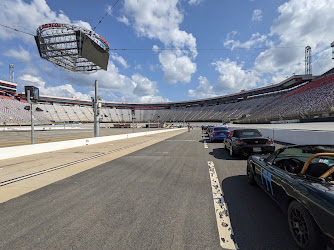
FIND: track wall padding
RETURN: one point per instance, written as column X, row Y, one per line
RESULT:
column 297, row 136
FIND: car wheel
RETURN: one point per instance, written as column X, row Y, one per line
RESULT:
column 231, row 151
column 250, row 176
column 303, row 228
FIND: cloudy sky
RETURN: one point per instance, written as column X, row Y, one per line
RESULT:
column 176, row 49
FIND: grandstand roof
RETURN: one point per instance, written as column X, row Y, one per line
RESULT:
column 8, row 87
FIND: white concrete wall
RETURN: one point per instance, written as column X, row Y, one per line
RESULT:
column 297, row 136
column 18, row 151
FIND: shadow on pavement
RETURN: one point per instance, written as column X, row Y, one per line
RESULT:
column 222, row 154
column 257, row 221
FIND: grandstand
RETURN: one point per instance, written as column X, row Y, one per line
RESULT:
column 298, row 97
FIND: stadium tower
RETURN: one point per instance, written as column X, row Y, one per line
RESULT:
column 308, row 60
column 11, row 73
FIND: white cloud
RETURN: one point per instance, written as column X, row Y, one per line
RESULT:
column 204, row 89
column 123, row 19
column 138, row 67
column 233, row 77
column 155, row 48
column 144, row 87
column 17, row 13
column 146, row 90
column 118, row 87
column 257, row 15
column 176, row 68
column 29, row 69
column 195, row 2
column 19, row 54
column 153, row 99
column 65, row 90
column 300, row 23
column 160, row 20
column 256, row 40
column 82, row 24
column 120, row 60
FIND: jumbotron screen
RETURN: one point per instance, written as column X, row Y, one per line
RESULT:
column 94, row 53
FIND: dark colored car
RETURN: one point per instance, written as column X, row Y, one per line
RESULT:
column 219, row 134
column 248, row 141
column 300, row 179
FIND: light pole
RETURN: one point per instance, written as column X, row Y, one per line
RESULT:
column 96, row 109
column 32, row 95
column 133, row 120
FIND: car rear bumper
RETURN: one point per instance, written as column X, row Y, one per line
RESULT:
column 218, row 138
column 254, row 149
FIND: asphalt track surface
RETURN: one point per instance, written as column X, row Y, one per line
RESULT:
column 158, row 197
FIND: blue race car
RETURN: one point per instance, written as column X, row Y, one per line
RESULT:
column 219, row 134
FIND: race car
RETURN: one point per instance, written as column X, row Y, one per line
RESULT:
column 219, row 134
column 301, row 180
column 248, row 141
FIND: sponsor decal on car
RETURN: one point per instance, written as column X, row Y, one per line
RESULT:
column 324, row 161
column 267, row 177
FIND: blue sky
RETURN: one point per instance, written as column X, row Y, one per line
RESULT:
column 196, row 48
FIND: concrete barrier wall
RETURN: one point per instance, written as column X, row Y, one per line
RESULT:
column 297, row 136
column 18, row 151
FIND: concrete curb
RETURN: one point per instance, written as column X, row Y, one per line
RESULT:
column 18, row 151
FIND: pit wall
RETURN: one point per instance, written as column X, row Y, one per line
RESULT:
column 18, row 151
column 297, row 136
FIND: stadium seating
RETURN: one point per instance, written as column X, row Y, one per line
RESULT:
column 314, row 97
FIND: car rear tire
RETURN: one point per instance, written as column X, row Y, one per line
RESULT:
column 250, row 176
column 303, row 228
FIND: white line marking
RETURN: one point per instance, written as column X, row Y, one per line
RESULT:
column 181, row 140
column 206, row 144
column 222, row 216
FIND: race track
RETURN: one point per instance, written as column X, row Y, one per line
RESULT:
column 158, row 197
